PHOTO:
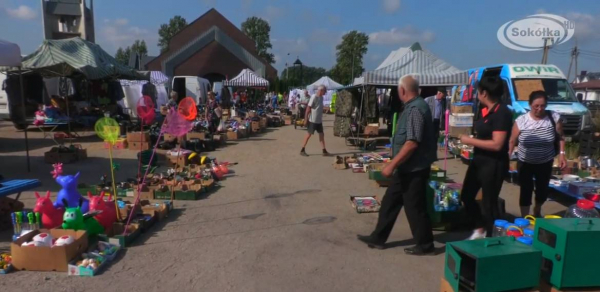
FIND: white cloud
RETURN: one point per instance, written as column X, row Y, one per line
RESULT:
column 116, row 33
column 22, row 12
column 405, row 35
column 120, row 21
column 390, row 6
column 586, row 26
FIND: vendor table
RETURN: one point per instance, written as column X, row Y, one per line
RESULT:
column 52, row 126
column 565, row 191
column 16, row 186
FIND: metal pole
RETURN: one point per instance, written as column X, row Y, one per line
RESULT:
column 352, row 78
column 24, row 118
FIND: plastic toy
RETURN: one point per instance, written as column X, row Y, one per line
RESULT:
column 74, row 219
column 109, row 213
column 44, row 238
column 58, row 170
column 69, row 193
column 52, row 217
column 187, row 108
column 64, row 240
column 145, row 110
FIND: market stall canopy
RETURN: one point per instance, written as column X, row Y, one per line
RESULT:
column 426, row 67
column 247, row 78
column 329, row 83
column 155, row 77
column 69, row 57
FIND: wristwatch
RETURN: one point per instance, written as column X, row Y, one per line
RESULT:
column 562, row 152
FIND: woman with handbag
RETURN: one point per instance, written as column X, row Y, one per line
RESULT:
column 539, row 134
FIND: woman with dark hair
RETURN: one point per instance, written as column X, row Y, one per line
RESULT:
column 539, row 134
column 490, row 159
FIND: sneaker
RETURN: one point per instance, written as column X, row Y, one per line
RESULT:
column 325, row 153
column 477, row 235
column 303, row 153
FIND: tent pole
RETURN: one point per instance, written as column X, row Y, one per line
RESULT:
column 24, row 118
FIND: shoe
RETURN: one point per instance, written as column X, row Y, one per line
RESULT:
column 477, row 235
column 370, row 243
column 303, row 153
column 325, row 153
column 419, row 251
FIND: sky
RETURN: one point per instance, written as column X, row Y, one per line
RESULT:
column 461, row 32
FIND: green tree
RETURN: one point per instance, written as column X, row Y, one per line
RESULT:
column 122, row 55
column 139, row 46
column 259, row 31
column 293, row 77
column 167, row 31
column 350, row 51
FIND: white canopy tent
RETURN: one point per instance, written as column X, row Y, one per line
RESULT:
column 329, row 83
column 10, row 57
column 133, row 91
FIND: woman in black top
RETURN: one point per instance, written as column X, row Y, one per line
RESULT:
column 490, row 159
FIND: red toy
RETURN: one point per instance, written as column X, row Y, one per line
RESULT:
column 51, row 216
column 108, row 216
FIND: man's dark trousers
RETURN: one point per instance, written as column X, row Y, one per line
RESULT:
column 407, row 189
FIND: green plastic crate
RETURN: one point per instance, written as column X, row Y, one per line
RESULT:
column 162, row 195
column 570, row 250
column 190, row 195
column 492, row 265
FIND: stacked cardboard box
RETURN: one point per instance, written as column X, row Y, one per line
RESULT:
column 461, row 119
column 138, row 141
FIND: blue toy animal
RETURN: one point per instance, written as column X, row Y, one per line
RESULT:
column 70, row 194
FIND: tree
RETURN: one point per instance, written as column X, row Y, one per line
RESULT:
column 350, row 51
column 122, row 55
column 291, row 75
column 259, row 31
column 139, row 46
column 167, row 31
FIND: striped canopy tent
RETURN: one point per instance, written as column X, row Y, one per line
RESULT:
column 247, row 78
column 75, row 56
column 156, row 78
column 422, row 64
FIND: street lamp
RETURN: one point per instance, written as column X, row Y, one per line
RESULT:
column 299, row 63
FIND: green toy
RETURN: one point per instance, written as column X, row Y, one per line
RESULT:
column 75, row 220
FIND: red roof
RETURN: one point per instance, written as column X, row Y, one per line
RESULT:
column 593, row 84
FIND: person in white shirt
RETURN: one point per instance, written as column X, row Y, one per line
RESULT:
column 314, row 119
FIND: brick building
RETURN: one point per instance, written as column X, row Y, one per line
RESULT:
column 211, row 47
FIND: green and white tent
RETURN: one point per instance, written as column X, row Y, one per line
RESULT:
column 75, row 56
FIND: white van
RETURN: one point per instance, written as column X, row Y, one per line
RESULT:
column 192, row 86
column 4, row 108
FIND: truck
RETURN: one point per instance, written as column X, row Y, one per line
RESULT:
column 191, row 86
column 521, row 79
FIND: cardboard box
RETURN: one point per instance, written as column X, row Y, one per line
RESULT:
column 120, row 144
column 461, row 108
column 41, row 258
column 372, row 130
column 287, row 120
column 231, row 135
column 255, row 126
column 195, row 135
column 461, row 120
column 252, row 114
column 53, row 156
column 457, row 131
column 137, row 146
column 116, row 235
column 221, row 139
column 138, row 137
column 161, row 209
column 339, row 163
column 263, row 122
column 169, row 137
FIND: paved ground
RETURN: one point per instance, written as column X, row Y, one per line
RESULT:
column 282, row 223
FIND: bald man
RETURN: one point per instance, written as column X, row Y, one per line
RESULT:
column 413, row 151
